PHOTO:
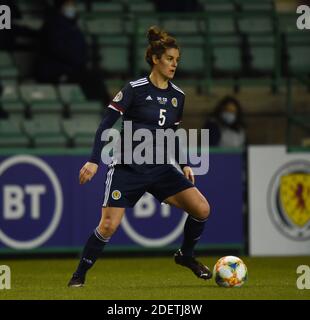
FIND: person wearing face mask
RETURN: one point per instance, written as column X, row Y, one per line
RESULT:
column 60, row 40
column 63, row 55
column 226, row 124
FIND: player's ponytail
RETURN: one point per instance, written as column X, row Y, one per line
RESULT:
column 159, row 40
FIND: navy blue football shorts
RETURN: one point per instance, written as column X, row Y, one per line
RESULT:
column 126, row 184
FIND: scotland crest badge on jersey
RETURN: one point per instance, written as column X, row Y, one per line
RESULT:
column 174, row 102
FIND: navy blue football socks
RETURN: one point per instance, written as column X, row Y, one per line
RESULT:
column 91, row 252
column 193, row 229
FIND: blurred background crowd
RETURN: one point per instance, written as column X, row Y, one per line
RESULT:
column 245, row 68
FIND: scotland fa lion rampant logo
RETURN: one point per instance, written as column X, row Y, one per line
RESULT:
column 289, row 200
column 116, row 194
column 174, row 102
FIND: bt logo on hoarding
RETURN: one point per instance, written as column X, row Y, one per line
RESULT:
column 31, row 202
column 153, row 226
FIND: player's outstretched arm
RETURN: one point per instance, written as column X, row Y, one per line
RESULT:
column 87, row 172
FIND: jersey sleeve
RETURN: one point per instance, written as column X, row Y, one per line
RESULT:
column 107, row 122
column 123, row 100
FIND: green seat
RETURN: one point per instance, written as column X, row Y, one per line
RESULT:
column 251, row 25
column 298, row 48
column 45, row 132
column 14, row 108
column 31, row 21
column 105, row 26
column 261, row 5
column 217, row 5
column 85, row 108
column 143, row 24
column 71, row 93
column 142, row 65
column 182, row 26
column 262, row 51
column 114, row 54
column 141, row 7
column 10, row 92
column 226, row 53
column 7, row 66
column 193, row 60
column 81, row 130
column 11, row 135
column 107, row 7
column 34, row 6
column 287, row 23
column 10, row 100
column 221, row 25
column 41, row 98
column 38, row 93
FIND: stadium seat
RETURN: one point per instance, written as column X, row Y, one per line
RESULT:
column 14, row 110
column 217, row 6
column 85, row 108
column 254, row 24
column 262, row 51
column 71, row 93
column 45, row 132
column 287, row 23
column 107, row 7
column 41, row 98
column 221, row 25
column 262, row 5
column 7, row 66
column 226, row 55
column 11, row 135
column 10, row 100
column 182, row 26
column 105, row 26
column 141, row 7
column 298, row 49
column 114, row 54
column 81, row 130
column 31, row 21
column 141, row 64
column 143, row 24
column 33, row 6
column 38, row 93
column 193, row 60
column 10, row 92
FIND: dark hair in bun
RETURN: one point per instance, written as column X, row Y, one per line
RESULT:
column 159, row 41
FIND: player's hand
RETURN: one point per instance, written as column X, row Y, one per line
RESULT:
column 87, row 172
column 188, row 172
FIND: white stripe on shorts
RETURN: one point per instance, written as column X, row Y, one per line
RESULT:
column 108, row 185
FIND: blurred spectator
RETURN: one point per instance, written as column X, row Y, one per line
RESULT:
column 8, row 37
column 226, row 124
column 62, row 55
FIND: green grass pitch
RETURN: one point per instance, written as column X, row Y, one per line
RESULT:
column 150, row 278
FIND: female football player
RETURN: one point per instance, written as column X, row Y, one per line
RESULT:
column 153, row 102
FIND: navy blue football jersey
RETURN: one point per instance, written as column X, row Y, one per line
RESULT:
column 148, row 106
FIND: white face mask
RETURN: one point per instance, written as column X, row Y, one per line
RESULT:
column 228, row 117
column 69, row 11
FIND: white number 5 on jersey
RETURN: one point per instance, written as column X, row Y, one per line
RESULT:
column 162, row 117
